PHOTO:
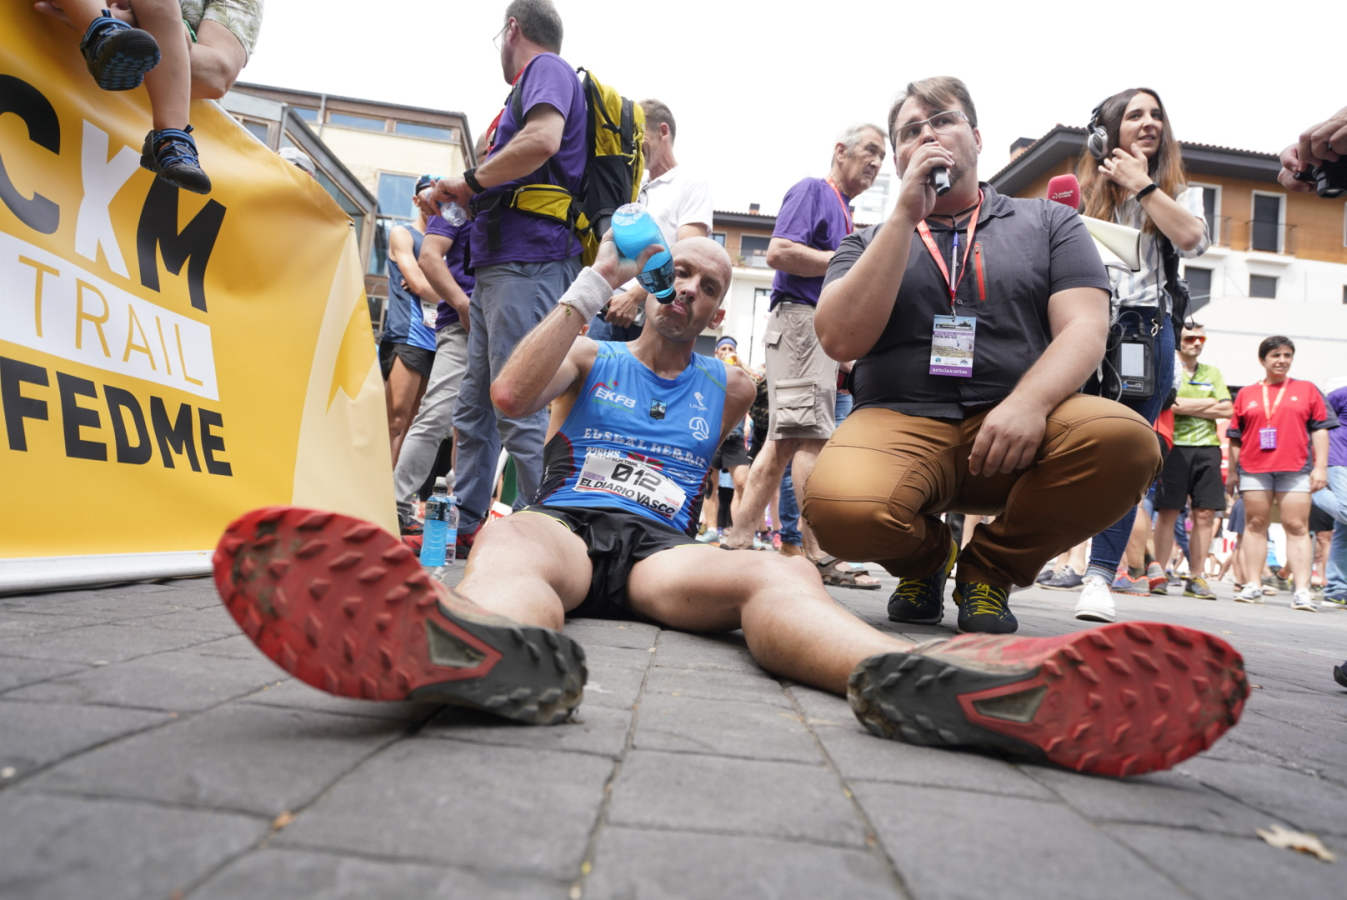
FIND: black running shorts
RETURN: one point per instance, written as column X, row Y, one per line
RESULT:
column 418, row 359
column 617, row 540
column 1191, row 472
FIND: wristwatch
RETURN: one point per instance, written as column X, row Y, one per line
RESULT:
column 470, row 176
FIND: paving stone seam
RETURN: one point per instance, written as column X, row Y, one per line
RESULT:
column 140, row 799
column 479, row 741
column 869, row 846
column 277, row 842
column 102, row 704
column 318, row 795
column 210, row 640
column 586, row 866
column 19, row 779
column 874, row 845
column 1327, row 775
column 297, row 706
column 84, row 667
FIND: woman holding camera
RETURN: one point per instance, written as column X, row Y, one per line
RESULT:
column 1279, row 448
column 1132, row 174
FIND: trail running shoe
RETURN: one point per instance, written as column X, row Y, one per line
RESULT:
column 984, row 608
column 1250, row 593
column 1157, row 579
column 1121, row 699
column 344, row 606
column 1304, row 600
column 1066, row 580
column 1198, row 587
column 171, row 154
column 921, row 601
column 118, row 55
column 1126, row 584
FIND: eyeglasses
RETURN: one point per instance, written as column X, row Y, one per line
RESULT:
column 940, row 123
column 1194, row 339
column 500, row 36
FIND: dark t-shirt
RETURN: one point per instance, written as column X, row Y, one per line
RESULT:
column 547, row 79
column 1024, row 252
column 816, row 215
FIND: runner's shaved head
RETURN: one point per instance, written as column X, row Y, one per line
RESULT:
column 709, row 256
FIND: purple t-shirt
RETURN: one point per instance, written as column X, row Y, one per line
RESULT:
column 547, row 79
column 1337, row 438
column 455, row 258
column 817, row 216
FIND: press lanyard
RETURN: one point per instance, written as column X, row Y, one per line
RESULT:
column 1271, row 410
column 846, row 213
column 960, row 270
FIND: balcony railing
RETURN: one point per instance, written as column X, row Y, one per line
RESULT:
column 1239, row 234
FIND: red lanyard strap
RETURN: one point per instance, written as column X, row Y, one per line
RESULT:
column 1270, row 410
column 932, row 249
column 846, row 211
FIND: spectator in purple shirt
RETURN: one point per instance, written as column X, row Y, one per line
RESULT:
column 522, row 262
column 1333, row 499
column 801, row 379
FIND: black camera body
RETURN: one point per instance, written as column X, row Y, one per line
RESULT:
column 1329, row 179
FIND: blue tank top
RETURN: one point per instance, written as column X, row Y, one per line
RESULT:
column 637, row 442
column 404, row 323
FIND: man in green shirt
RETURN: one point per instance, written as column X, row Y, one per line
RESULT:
column 1193, row 467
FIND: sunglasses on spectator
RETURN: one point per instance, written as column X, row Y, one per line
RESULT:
column 1194, row 339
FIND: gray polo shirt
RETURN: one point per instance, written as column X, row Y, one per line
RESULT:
column 1024, row 252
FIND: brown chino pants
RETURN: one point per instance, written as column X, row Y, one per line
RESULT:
column 883, row 479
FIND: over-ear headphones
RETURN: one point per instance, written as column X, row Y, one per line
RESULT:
column 1096, row 135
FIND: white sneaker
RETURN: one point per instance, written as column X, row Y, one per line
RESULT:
column 1096, row 601
column 1302, row 599
column 1250, row 593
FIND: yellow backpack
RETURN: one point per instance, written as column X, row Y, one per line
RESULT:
column 614, row 165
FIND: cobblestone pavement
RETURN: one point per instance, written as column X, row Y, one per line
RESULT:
column 148, row 750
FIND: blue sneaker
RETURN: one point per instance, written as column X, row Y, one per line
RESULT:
column 118, row 55
column 171, row 154
column 921, row 601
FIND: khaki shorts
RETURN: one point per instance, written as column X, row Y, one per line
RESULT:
column 801, row 379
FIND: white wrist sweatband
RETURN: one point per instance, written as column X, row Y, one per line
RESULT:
column 587, row 294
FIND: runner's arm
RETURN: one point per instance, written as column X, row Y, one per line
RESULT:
column 740, row 391
column 550, row 359
column 400, row 250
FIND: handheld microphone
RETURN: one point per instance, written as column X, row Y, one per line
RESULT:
column 1065, row 189
column 940, row 180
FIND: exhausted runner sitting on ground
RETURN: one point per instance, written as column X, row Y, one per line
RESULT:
column 346, row 608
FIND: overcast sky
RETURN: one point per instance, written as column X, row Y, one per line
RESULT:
column 761, row 90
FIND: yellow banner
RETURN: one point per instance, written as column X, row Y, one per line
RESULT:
column 167, row 360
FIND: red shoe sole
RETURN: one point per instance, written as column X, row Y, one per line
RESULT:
column 346, row 607
column 1123, row 699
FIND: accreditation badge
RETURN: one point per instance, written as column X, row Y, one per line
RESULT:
column 952, row 340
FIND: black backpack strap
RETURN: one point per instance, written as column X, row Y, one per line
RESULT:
column 1175, row 286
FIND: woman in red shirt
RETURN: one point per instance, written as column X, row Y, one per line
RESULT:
column 1277, row 422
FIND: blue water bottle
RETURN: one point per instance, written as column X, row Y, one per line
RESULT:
column 633, row 231
column 435, row 536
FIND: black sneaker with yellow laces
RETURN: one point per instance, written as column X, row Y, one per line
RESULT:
column 983, row 608
column 921, row 601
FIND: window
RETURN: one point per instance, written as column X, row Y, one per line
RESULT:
column 718, row 237
column 308, row 115
column 258, row 129
column 1199, row 286
column 395, row 208
column 347, row 120
column 753, row 249
column 1211, row 209
column 1263, row 286
column 416, row 129
column 1265, row 230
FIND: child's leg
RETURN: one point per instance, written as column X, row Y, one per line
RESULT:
column 169, row 83
column 81, row 13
